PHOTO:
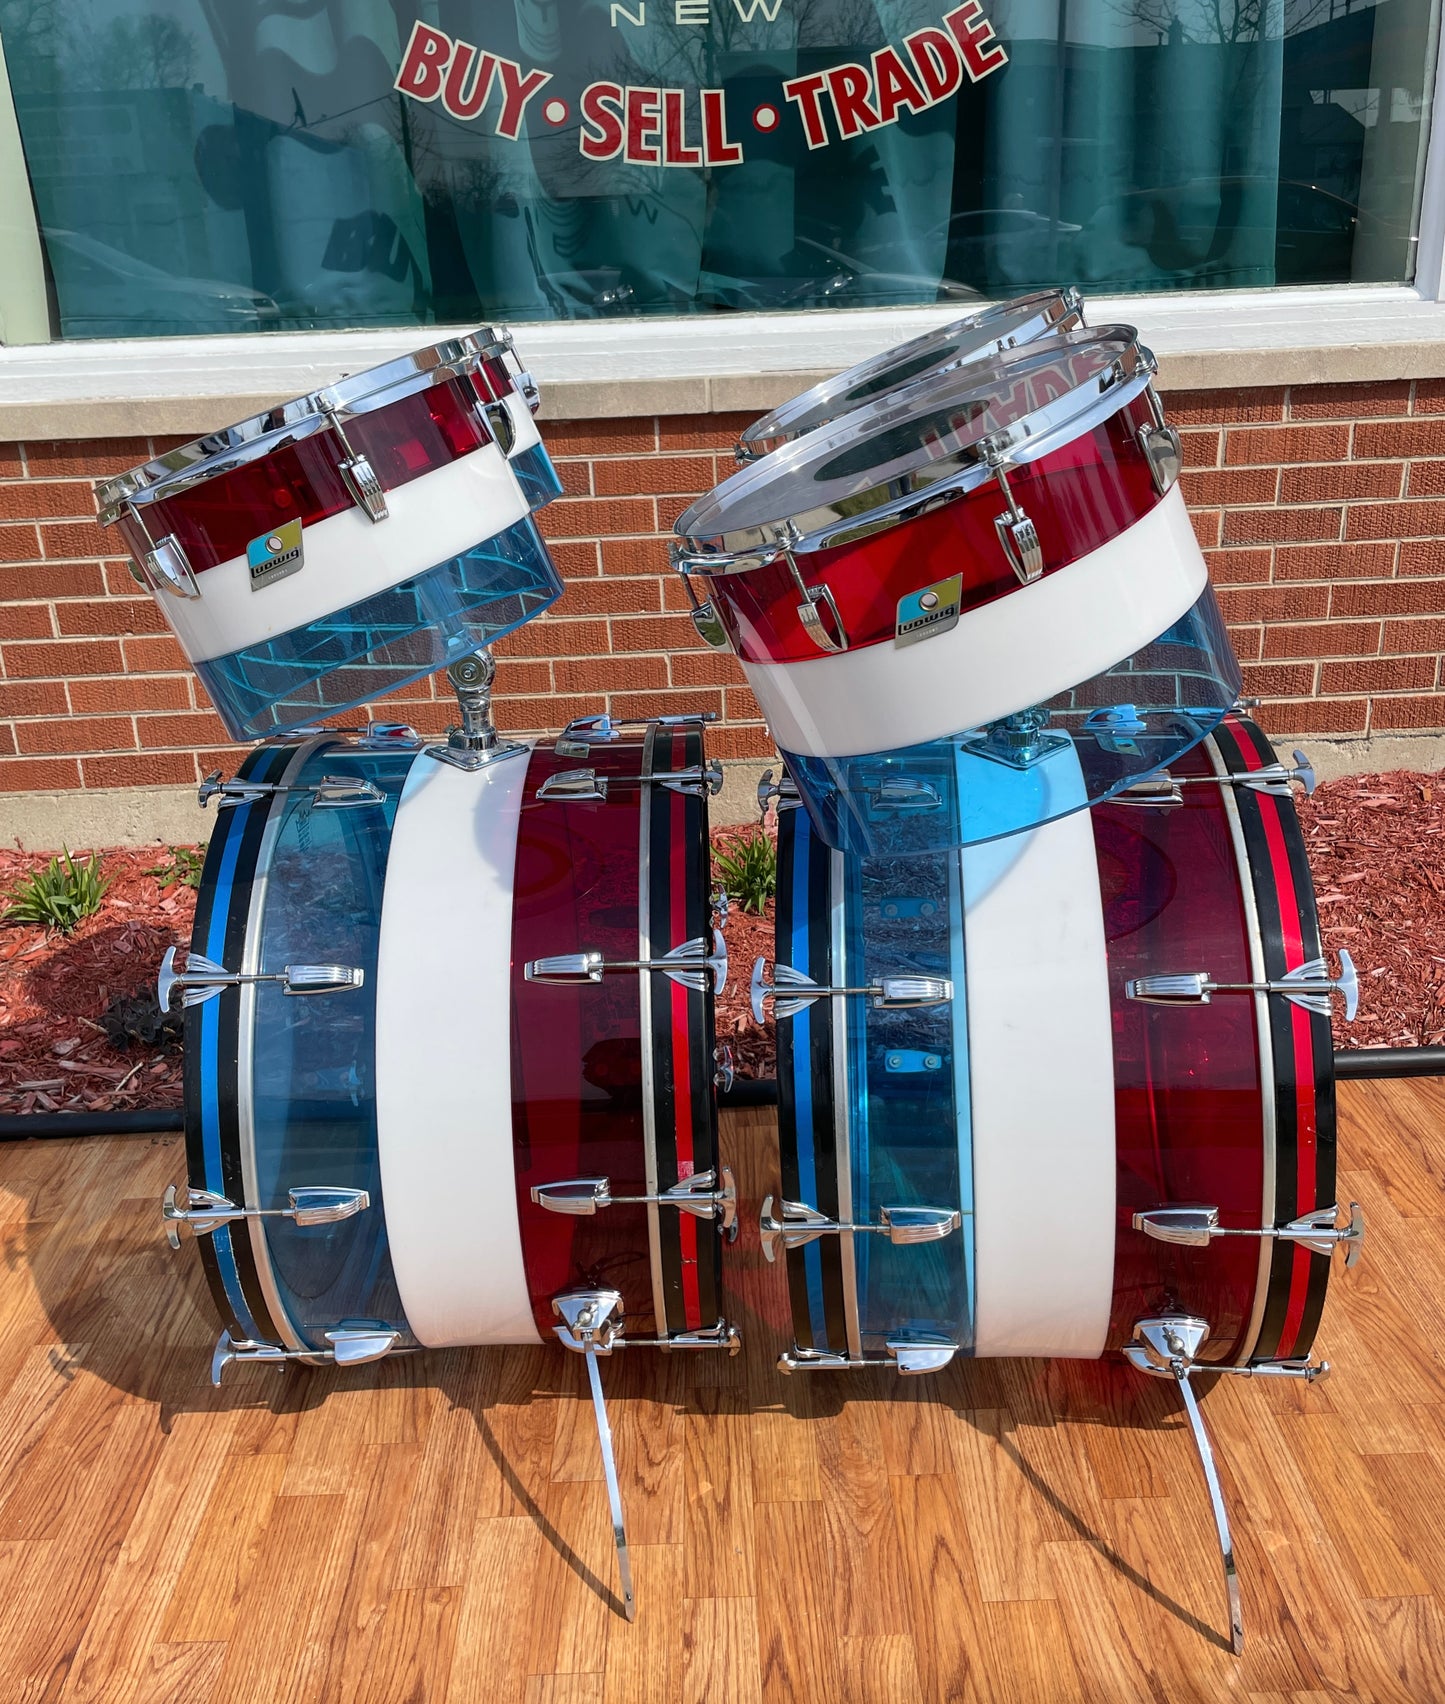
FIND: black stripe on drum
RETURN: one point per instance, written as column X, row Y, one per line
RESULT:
column 793, row 839
column 701, row 1027
column 661, row 850
column 1322, row 1053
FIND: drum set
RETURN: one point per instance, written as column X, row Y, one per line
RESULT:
column 1043, row 909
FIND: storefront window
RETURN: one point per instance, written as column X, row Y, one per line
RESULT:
column 255, row 165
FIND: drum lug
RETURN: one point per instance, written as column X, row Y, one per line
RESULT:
column 170, row 568
column 910, row 1355
column 583, row 785
column 528, row 389
column 816, row 601
column 1309, row 985
column 708, row 623
column 329, row 793
column 903, row 1226
column 205, row 1211
column 690, row 965
column 1160, row 792
column 905, row 793
column 1163, row 789
column 791, row 991
column 1017, row 534
column 357, row 473
column 781, row 794
column 701, row 1195
column 202, row 979
column 1018, row 740
column 575, row 786
column 499, row 425
column 592, row 1324
column 584, row 731
column 1196, row 1227
column 476, row 742
column 349, row 1348
column 1163, row 452
column 724, row 1072
column 1116, row 728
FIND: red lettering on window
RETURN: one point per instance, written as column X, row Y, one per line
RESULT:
column 936, row 60
column 895, row 85
column 600, row 137
column 806, row 93
column 422, row 64
column 973, row 38
column 456, row 98
column 849, row 86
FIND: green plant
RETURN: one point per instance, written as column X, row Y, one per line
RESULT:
column 185, row 866
column 60, row 895
column 748, row 867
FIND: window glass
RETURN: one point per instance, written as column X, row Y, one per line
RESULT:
column 252, row 165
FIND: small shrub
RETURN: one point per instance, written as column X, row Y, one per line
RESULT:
column 185, row 866
column 59, row 896
column 748, row 868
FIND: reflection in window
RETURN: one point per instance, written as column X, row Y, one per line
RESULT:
column 249, row 165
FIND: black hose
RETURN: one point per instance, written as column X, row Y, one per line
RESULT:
column 1355, row 1062
column 17, row 1127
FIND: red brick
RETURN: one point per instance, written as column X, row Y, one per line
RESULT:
column 518, row 677
column 1283, row 445
column 1420, row 710
column 588, row 517
column 739, row 705
column 614, row 597
column 19, row 544
column 64, row 541
column 1423, row 556
column 1337, row 480
column 153, row 656
column 1314, row 716
column 734, row 743
column 112, row 616
column 1349, row 402
column 39, row 775
column 147, row 769
column 579, row 561
column 702, row 431
column 1236, row 567
column 1279, row 680
column 77, row 734
column 1429, row 397
column 1394, row 520
column 610, row 674
column 129, row 694
column 1334, row 561
column 1408, row 637
column 1389, row 597
column 1380, row 674
column 1248, row 642
column 37, row 499
column 667, row 703
column 1323, row 639
column 52, row 580
column 1280, row 526
column 187, row 729
column 544, row 715
column 657, row 633
column 1224, row 407
column 1427, row 479
column 1274, row 603
column 669, row 509
column 7, row 740
column 11, row 464
column 1201, row 449
column 576, row 477
column 691, row 474
column 33, row 698
column 1206, row 527
column 600, row 437
column 121, row 581
column 1230, row 485
column 62, row 659
column 225, row 758
column 26, row 621
column 634, row 556
column 706, row 668
column 674, row 592
column 553, row 636
column 1395, row 438
column 85, row 458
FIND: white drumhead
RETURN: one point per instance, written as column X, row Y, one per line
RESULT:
column 443, row 1055
column 1041, row 1069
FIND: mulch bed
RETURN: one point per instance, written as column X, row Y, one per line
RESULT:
column 1377, row 853
column 55, row 1053
column 1376, row 846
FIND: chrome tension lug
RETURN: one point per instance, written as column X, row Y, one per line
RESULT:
column 309, row 1204
column 1164, row 453
column 350, row 1347
column 798, row 1224
column 1160, row 792
column 914, row 1355
column 202, row 979
column 689, row 964
column 1309, row 985
column 791, row 991
column 781, row 794
column 724, row 1072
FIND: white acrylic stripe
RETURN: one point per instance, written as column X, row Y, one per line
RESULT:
column 347, row 557
column 443, row 1055
column 1019, row 650
column 1040, row 1050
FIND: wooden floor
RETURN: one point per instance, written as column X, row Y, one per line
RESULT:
column 435, row 1528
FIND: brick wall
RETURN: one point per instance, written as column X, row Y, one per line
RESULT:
column 1321, row 510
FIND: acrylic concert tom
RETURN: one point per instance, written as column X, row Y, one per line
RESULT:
column 960, row 581
column 351, row 540
column 1036, row 1091
column 449, row 1045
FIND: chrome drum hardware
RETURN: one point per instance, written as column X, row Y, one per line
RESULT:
column 205, row 1211
column 201, row 979
column 700, row 1195
column 1196, row 1227
column 1310, row 986
column 689, row 964
column 791, row 991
